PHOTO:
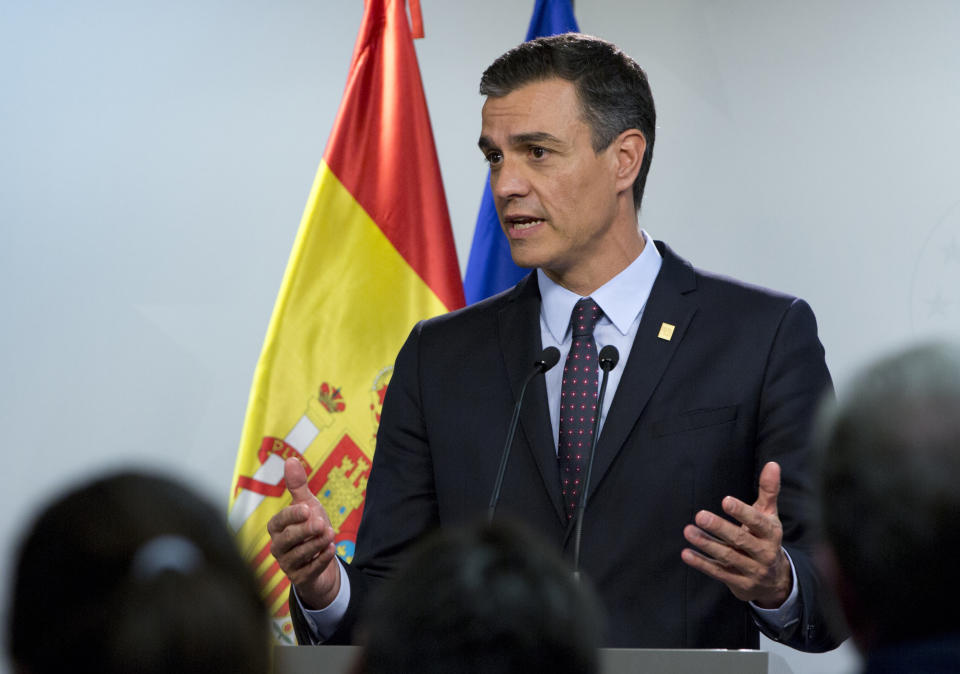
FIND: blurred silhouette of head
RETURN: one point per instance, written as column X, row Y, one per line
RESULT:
column 134, row 573
column 488, row 598
column 889, row 497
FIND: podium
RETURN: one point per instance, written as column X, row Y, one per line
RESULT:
column 337, row 660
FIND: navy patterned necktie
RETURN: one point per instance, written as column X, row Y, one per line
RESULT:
column 578, row 402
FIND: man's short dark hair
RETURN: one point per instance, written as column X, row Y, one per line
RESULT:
column 488, row 599
column 889, row 457
column 612, row 88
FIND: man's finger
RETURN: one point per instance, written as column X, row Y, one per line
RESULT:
column 732, row 578
column 742, row 557
column 296, row 478
column 303, row 553
column 718, row 527
column 312, row 567
column 756, row 521
column 769, row 488
column 287, row 516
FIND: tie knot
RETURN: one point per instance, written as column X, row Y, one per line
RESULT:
column 585, row 315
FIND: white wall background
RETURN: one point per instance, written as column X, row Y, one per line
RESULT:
column 155, row 158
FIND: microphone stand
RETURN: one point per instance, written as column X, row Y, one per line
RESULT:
column 547, row 359
column 607, row 359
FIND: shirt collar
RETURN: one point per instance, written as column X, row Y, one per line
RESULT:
column 622, row 298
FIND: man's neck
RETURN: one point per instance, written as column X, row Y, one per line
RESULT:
column 585, row 280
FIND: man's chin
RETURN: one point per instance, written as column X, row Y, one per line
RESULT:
column 523, row 257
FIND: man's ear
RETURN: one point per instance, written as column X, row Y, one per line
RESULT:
column 629, row 147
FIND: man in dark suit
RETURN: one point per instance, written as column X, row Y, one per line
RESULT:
column 710, row 408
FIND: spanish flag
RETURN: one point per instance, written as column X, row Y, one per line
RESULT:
column 373, row 255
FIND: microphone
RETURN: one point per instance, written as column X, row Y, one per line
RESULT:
column 608, row 359
column 546, row 360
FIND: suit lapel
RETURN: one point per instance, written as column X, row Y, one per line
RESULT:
column 669, row 303
column 520, row 345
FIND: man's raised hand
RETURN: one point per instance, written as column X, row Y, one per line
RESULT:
column 301, row 540
column 747, row 558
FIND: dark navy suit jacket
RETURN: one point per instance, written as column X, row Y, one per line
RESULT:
column 695, row 418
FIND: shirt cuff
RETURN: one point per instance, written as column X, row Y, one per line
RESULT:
column 779, row 618
column 322, row 623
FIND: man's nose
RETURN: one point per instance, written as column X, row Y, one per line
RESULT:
column 509, row 181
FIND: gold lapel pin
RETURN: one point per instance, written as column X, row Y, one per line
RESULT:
column 666, row 331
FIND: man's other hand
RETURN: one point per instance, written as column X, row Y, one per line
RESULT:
column 301, row 540
column 747, row 558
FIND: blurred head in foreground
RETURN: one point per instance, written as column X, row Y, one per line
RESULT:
column 889, row 455
column 488, row 598
column 134, row 573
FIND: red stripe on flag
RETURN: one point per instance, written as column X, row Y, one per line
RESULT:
column 262, row 555
column 268, row 574
column 272, row 490
column 382, row 149
column 278, row 590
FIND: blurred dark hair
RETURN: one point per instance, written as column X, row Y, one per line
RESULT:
column 612, row 88
column 133, row 572
column 889, row 491
column 485, row 599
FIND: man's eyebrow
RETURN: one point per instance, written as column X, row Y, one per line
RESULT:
column 528, row 138
column 534, row 137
